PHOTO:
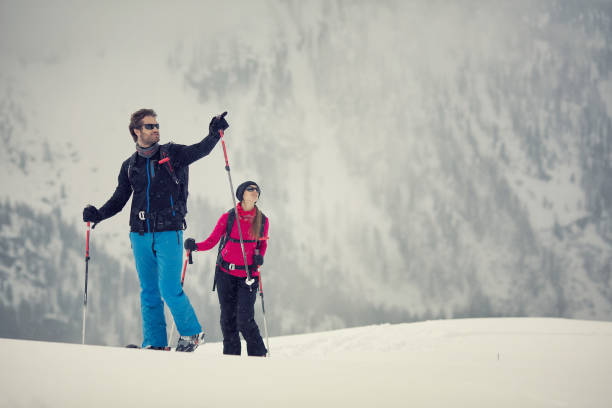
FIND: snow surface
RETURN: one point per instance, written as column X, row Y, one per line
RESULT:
column 496, row 362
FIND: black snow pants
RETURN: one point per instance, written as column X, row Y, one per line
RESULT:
column 237, row 302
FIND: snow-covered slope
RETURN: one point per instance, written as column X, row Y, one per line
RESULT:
column 455, row 363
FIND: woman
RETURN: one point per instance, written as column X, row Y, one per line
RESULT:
column 236, row 298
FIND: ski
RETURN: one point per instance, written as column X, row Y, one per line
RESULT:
column 136, row 346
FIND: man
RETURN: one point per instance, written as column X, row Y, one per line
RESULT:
column 158, row 176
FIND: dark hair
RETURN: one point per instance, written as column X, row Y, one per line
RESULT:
column 136, row 120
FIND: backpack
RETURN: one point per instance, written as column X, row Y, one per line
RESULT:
column 231, row 218
column 180, row 176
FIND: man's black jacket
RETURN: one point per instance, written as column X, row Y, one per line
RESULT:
column 159, row 202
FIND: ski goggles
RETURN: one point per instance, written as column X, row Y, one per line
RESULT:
column 251, row 188
column 150, row 126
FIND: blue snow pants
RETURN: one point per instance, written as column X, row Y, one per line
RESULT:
column 160, row 278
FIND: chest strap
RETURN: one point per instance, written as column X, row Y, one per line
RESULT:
column 246, row 241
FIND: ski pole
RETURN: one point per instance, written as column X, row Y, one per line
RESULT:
column 249, row 281
column 190, row 259
column 263, row 309
column 86, row 277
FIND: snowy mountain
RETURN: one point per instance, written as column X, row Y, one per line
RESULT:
column 454, row 363
column 418, row 160
column 43, row 264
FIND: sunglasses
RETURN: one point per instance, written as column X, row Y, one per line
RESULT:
column 252, row 189
column 151, row 126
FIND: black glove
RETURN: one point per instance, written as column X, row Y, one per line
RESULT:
column 258, row 259
column 91, row 214
column 218, row 123
column 191, row 245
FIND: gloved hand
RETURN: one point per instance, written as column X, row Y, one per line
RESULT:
column 91, row 214
column 191, row 245
column 218, row 123
column 258, row 259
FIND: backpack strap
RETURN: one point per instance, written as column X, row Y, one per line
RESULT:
column 131, row 164
column 262, row 230
column 231, row 217
column 180, row 175
column 165, row 159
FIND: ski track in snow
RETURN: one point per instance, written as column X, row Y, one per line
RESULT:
column 502, row 362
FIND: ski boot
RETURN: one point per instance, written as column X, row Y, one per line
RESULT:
column 189, row 343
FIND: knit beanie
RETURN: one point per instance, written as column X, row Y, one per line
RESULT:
column 243, row 186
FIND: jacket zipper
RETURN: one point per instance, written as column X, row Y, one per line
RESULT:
column 148, row 185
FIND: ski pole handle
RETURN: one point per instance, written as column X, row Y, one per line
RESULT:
column 87, row 244
column 86, row 263
column 86, row 278
column 227, row 167
column 185, row 267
